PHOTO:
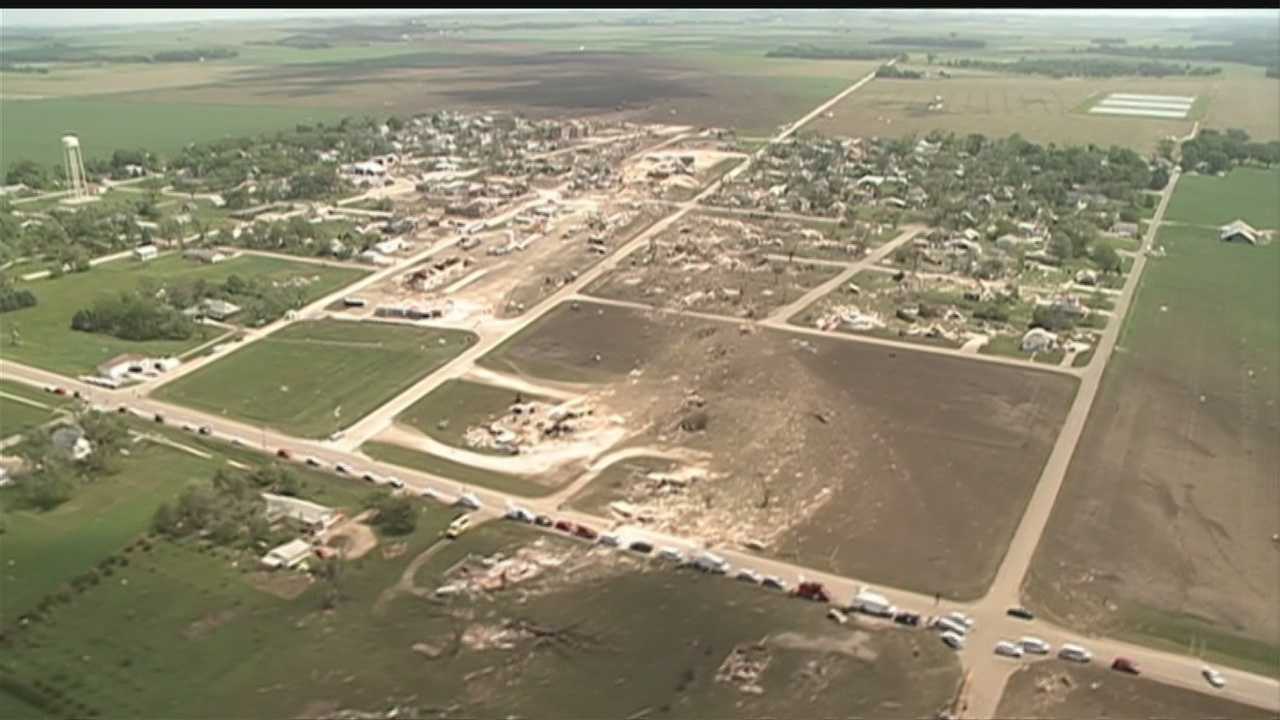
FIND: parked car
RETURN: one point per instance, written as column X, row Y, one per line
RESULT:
column 749, row 575
column 206, row 430
column 670, row 553
column 1008, row 649
column 953, row 639
column 564, row 526
column 1035, row 645
column 585, row 532
column 947, row 624
column 429, row 493
column 122, row 409
column 313, row 462
column 468, row 500
column 810, row 590
column 1214, row 677
column 775, row 582
column 642, row 547
column 543, row 521
column 1125, row 665
column 187, row 427
column 282, row 453
column 367, row 477
column 608, row 539
column 962, row 619
column 519, row 514
column 59, row 391
column 1021, row 613
column 159, row 418
column 339, row 467
column 907, row 618
column 1074, row 653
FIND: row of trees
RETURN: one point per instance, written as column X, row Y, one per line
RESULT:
column 893, row 72
column 1086, row 67
column 133, row 316
column 1221, row 150
column 806, row 51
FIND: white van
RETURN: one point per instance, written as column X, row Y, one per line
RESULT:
column 1075, row 653
column 946, row 624
column 1008, row 649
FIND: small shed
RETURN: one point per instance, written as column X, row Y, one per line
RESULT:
column 146, row 252
column 1238, row 231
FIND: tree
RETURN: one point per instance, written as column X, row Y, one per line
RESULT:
column 1106, row 258
column 48, row 487
column 1159, row 178
column 27, row 173
column 396, row 514
column 1166, row 147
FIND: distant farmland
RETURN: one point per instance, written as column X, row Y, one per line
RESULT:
column 32, row 127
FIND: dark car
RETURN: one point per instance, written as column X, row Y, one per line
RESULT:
column 282, row 453
column 564, row 526
column 641, row 546
column 1020, row 612
column 907, row 618
column 585, row 532
column 122, row 409
column 159, row 418
column 543, row 521
column 206, row 430
column 1125, row 665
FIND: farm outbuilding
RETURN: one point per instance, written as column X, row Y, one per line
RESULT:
column 1039, row 340
column 1238, row 231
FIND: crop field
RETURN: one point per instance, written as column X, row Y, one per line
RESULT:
column 32, row 128
column 42, row 336
column 1041, row 109
column 897, row 467
column 211, row 639
column 315, row 377
column 1247, row 194
column 446, row 412
column 1094, row 692
column 1163, row 530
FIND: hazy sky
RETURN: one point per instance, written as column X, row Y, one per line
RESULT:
column 66, row 18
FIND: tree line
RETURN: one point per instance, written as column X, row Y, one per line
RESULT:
column 1220, row 151
column 1085, row 67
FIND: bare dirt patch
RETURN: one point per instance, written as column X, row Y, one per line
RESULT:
column 896, row 467
column 286, row 585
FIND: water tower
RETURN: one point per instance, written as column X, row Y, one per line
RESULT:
column 74, row 164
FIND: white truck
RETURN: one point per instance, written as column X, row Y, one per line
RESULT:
column 872, row 603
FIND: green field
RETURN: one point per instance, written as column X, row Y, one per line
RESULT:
column 459, row 404
column 42, row 336
column 15, row 417
column 465, row 474
column 315, row 377
column 1247, row 194
column 179, row 632
column 32, row 128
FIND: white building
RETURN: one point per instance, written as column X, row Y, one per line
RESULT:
column 289, row 555
column 387, row 247
column 311, row 514
column 1039, row 340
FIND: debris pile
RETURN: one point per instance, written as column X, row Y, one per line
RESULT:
column 528, row 423
column 744, row 666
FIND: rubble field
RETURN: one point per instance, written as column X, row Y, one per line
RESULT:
column 1058, row 691
column 713, row 264
column 951, row 311
column 678, row 174
column 511, row 618
column 901, row 468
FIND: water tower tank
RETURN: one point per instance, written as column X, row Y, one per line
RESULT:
column 70, row 141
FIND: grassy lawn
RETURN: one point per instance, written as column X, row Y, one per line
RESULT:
column 32, row 127
column 611, row 484
column 16, row 417
column 315, row 377
column 459, row 404
column 465, row 474
column 1247, row 194
column 44, row 550
column 180, row 632
column 1189, row 635
column 32, row 393
column 42, row 336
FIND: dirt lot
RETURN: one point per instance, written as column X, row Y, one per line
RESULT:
column 1055, row 690
column 713, row 264
column 896, row 467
